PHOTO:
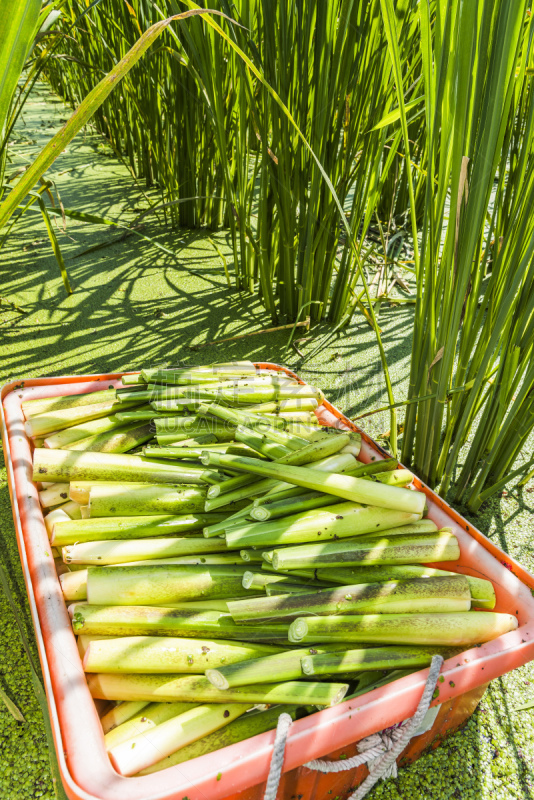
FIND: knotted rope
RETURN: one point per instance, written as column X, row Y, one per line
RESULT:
column 379, row 751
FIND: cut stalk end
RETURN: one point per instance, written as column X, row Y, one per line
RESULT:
column 297, row 630
column 306, row 665
column 217, row 679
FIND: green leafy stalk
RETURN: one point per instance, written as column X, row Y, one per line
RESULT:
column 445, row 629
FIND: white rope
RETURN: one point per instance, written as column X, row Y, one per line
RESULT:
column 379, row 751
column 382, row 767
column 277, row 760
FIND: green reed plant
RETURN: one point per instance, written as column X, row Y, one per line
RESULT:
column 474, row 250
column 223, row 151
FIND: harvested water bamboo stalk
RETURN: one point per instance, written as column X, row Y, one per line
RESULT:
column 418, row 528
column 274, row 590
column 58, row 514
column 314, row 433
column 311, row 453
column 254, row 580
column 124, row 391
column 382, row 466
column 292, row 505
column 282, row 666
column 209, row 559
column 192, row 606
column 231, row 520
column 363, row 659
column 472, row 627
column 192, row 442
column 482, row 591
column 278, row 434
column 154, row 621
column 395, row 550
column 154, row 394
column 106, row 552
column 133, row 379
column 153, row 654
column 340, row 462
column 119, row 499
column 174, row 438
column 193, row 453
column 342, row 520
column 211, row 412
column 146, row 415
column 197, row 688
column 179, row 424
column 398, row 477
column 159, row 585
column 423, row 595
column 251, row 556
column 69, row 531
column 65, row 418
column 83, row 642
column 293, row 404
column 231, row 485
column 261, row 442
column 67, row 512
column 74, row 585
column 225, row 371
column 265, row 393
column 198, row 392
column 66, row 465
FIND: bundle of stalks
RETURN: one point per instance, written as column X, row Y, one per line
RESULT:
column 194, row 569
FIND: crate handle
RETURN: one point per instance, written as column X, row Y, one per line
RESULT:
column 381, row 748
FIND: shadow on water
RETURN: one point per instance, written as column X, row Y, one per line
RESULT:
column 134, row 304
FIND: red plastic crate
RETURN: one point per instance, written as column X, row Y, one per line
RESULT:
column 239, row 772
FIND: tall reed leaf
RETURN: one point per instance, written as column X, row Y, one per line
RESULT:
column 473, row 322
column 18, row 25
